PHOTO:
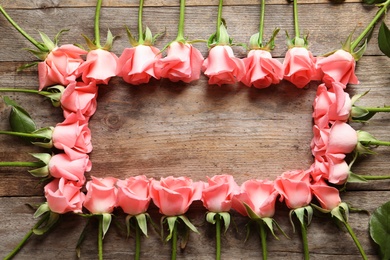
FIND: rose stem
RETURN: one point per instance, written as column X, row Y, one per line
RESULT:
column 218, row 236
column 376, row 109
column 97, row 21
column 296, row 25
column 261, row 25
column 263, row 237
column 371, row 24
column 219, row 18
column 355, row 239
column 374, row 177
column 304, row 241
column 32, row 91
column 375, row 142
column 40, row 46
column 137, row 241
column 140, row 32
column 174, row 241
column 100, row 238
column 21, row 164
column 180, row 30
column 26, row 237
column 31, row 135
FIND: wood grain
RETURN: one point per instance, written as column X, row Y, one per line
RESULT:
column 197, row 130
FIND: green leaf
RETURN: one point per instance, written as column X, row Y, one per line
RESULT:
column 384, row 39
column 142, row 223
column 19, row 119
column 380, row 229
column 106, row 222
column 188, row 223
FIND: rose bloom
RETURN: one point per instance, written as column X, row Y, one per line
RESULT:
column 221, row 67
column 71, row 166
column 331, row 167
column 261, row 69
column 64, row 196
column 339, row 67
column 79, row 97
column 183, row 62
column 173, row 196
column 72, row 133
column 137, row 65
column 294, row 188
column 259, row 195
column 327, row 196
column 101, row 195
column 133, row 194
column 330, row 106
column 60, row 66
column 218, row 192
column 100, row 66
column 341, row 138
column 299, row 67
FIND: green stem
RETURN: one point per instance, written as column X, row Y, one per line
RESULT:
column 376, row 109
column 219, row 18
column 375, row 143
column 30, row 135
column 40, row 46
column 174, row 242
column 218, row 237
column 304, row 241
column 97, row 21
column 261, row 25
column 32, row 91
column 296, row 24
column 370, row 25
column 180, row 30
column 137, row 242
column 26, row 237
column 140, row 32
column 21, row 164
column 355, row 239
column 374, row 177
column 263, row 238
column 100, row 238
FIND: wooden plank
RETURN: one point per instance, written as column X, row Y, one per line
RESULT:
column 325, row 239
column 44, row 4
column 325, row 34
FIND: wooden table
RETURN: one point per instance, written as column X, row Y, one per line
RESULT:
column 193, row 130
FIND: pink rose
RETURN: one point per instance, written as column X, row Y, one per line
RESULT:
column 137, row 65
column 64, row 196
column 259, row 195
column 60, row 66
column 261, row 69
column 173, row 196
column 327, row 196
column 101, row 195
column 79, row 97
column 330, row 106
column 221, row 67
column 339, row 67
column 71, row 166
column 218, row 192
column 342, row 139
column 299, row 67
column 294, row 188
column 72, row 133
column 133, row 195
column 330, row 167
column 183, row 62
column 100, row 66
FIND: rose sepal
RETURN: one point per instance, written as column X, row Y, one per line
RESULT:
column 46, row 134
column 211, row 218
column 300, row 213
column 52, row 219
column 44, row 170
column 255, row 44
